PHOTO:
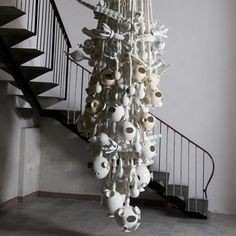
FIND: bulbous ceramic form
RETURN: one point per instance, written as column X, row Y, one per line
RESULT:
column 116, row 113
column 143, row 175
column 113, row 201
column 94, row 106
column 153, row 81
column 139, row 73
column 127, row 131
column 148, row 122
column 149, row 150
column 128, row 218
column 156, row 99
column 101, row 167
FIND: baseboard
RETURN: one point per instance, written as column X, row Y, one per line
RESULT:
column 83, row 197
column 17, row 200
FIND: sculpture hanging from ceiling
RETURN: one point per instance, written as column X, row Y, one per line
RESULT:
column 125, row 50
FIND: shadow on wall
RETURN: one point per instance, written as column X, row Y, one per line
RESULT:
column 6, row 133
column 64, row 157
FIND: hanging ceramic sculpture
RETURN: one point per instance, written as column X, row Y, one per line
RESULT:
column 125, row 50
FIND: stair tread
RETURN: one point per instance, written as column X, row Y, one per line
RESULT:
column 13, row 36
column 30, row 72
column 38, row 87
column 44, row 101
column 23, row 55
column 9, row 13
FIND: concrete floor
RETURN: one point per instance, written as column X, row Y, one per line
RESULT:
column 58, row 217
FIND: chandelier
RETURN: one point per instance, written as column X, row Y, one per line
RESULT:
column 125, row 51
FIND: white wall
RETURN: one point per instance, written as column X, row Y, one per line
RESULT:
column 19, row 150
column 199, row 88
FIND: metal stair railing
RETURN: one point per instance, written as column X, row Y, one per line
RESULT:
column 42, row 18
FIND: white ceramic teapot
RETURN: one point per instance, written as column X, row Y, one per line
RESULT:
column 143, row 176
column 127, row 131
column 113, row 201
column 148, row 122
column 101, row 167
column 128, row 218
column 116, row 113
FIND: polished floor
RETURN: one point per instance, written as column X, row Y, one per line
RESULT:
column 58, row 217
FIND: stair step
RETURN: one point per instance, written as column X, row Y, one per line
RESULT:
column 12, row 36
column 38, row 87
column 30, row 72
column 161, row 177
column 22, row 55
column 180, row 191
column 197, row 205
column 45, row 102
column 9, row 13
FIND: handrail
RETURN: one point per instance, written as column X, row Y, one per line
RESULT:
column 58, row 16
column 80, row 66
column 196, row 145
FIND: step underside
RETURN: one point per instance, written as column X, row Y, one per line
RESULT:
column 8, row 14
column 21, row 55
column 45, row 102
column 12, row 36
column 38, row 87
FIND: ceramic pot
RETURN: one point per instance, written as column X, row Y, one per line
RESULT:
column 113, row 201
column 125, row 100
column 116, row 113
column 128, row 218
column 98, row 88
column 143, row 175
column 140, row 92
column 127, row 131
column 153, row 81
column 139, row 74
column 148, row 122
column 116, row 75
column 88, row 46
column 107, row 78
column 131, row 90
column 95, row 106
column 156, row 99
column 101, row 167
column 149, row 150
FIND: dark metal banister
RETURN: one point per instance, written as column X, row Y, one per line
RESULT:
column 57, row 14
column 80, row 66
column 196, row 145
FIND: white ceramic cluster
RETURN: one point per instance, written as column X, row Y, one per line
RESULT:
column 125, row 51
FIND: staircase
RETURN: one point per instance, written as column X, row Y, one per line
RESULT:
column 183, row 170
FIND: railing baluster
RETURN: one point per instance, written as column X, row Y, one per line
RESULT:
column 48, row 37
column 75, row 95
column 203, row 180
column 53, row 40
column 32, row 16
column 67, row 73
column 55, row 49
column 174, row 164
column 196, row 180
column 36, row 17
column 25, row 7
column 181, row 166
column 167, row 149
column 68, row 97
column 41, row 25
column 82, row 91
column 189, row 174
column 29, row 13
column 160, row 142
